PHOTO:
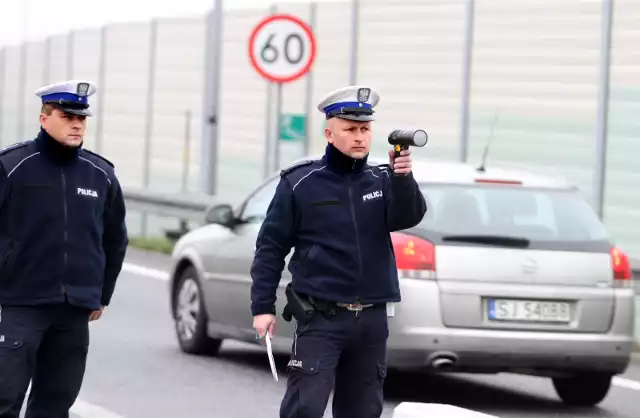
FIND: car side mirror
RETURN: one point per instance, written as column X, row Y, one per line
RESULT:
column 222, row 215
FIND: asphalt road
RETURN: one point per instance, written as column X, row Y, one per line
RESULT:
column 137, row 371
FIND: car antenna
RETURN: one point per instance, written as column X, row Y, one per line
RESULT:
column 486, row 148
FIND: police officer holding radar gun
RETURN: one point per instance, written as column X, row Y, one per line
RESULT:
column 62, row 244
column 338, row 213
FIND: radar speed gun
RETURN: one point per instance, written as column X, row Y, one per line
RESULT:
column 402, row 139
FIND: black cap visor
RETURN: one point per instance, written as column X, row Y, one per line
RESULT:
column 357, row 114
column 72, row 108
column 357, row 118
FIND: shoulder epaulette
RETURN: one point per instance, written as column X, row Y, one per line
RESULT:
column 295, row 165
column 12, row 147
column 384, row 169
column 100, row 156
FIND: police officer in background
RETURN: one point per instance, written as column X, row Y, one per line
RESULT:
column 338, row 213
column 62, row 244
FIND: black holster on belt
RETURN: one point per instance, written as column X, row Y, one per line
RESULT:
column 298, row 307
column 327, row 308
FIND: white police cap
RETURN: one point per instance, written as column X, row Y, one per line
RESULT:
column 69, row 96
column 351, row 102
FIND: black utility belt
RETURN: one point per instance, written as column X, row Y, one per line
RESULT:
column 330, row 308
column 357, row 307
column 302, row 307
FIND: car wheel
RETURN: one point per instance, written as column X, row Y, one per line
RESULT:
column 587, row 389
column 190, row 316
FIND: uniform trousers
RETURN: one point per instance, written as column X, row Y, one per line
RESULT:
column 345, row 353
column 47, row 345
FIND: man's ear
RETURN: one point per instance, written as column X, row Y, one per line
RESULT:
column 43, row 118
column 329, row 135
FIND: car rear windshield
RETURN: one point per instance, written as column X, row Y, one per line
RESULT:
column 508, row 215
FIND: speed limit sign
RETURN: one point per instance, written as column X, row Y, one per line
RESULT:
column 282, row 48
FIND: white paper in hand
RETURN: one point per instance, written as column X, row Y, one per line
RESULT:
column 391, row 309
column 272, row 361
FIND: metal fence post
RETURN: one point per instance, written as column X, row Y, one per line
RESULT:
column 151, row 85
column 213, row 71
column 270, row 143
column 278, row 127
column 102, row 76
column 466, row 80
column 148, row 130
column 22, row 92
column 355, row 28
column 306, row 145
column 266, row 169
column 46, row 67
column 22, row 73
column 3, row 76
column 70, row 54
column 186, row 154
column 603, row 106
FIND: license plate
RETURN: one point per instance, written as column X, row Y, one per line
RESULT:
column 529, row 311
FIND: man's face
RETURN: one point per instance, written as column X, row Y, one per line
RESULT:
column 66, row 128
column 350, row 137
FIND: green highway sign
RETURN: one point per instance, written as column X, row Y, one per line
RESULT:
column 293, row 127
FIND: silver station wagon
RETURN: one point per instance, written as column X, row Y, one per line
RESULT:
column 509, row 271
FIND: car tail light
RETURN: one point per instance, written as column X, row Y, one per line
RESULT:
column 415, row 257
column 620, row 264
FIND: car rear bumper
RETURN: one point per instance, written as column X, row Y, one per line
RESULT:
column 418, row 337
column 494, row 351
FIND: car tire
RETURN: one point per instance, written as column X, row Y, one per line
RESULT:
column 587, row 389
column 190, row 316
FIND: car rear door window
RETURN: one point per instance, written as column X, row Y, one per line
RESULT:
column 548, row 218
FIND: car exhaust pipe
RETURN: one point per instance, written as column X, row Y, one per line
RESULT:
column 443, row 361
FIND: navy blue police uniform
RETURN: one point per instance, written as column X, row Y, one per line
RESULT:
column 337, row 212
column 62, row 244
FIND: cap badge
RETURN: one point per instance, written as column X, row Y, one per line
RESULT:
column 83, row 89
column 363, row 94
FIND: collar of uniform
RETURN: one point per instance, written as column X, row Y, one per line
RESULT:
column 339, row 162
column 54, row 149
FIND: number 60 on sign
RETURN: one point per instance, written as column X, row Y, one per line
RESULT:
column 282, row 48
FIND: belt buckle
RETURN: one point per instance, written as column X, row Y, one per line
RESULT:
column 354, row 307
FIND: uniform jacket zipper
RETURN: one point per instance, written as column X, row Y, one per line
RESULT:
column 66, row 232
column 355, row 225
column 7, row 254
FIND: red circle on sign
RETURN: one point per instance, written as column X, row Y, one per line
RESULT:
column 297, row 74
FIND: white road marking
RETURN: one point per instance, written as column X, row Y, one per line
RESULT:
column 164, row 276
column 87, row 410
column 419, row 410
column 145, row 271
column 626, row 383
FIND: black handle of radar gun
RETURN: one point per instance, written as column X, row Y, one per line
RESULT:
column 397, row 149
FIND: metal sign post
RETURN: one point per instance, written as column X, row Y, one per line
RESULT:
column 213, row 63
column 282, row 49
